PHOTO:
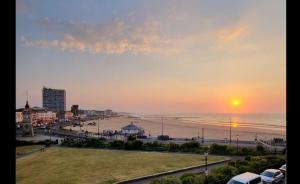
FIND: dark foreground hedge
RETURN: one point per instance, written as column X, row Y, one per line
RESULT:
column 190, row 147
column 26, row 143
column 221, row 175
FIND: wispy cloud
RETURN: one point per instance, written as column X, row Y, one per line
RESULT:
column 115, row 38
column 122, row 36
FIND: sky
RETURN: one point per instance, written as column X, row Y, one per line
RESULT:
column 154, row 56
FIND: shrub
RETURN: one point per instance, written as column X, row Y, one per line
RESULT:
column 260, row 149
column 131, row 138
column 166, row 180
column 117, row 144
column 190, row 146
column 187, row 175
column 189, row 180
column 248, row 158
column 220, row 149
column 173, row 147
column 226, row 171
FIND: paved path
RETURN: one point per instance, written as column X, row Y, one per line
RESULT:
column 197, row 170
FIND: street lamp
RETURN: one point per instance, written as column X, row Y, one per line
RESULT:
column 237, row 143
column 98, row 128
column 230, row 129
column 206, row 155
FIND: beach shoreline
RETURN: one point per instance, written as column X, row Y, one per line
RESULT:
column 176, row 128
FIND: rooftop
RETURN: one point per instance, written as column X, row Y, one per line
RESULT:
column 272, row 170
column 245, row 177
column 131, row 126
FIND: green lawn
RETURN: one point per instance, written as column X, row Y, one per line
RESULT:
column 27, row 149
column 91, row 166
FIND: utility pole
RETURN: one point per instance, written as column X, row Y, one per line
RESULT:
column 98, row 128
column 230, row 130
column 237, row 143
column 206, row 170
column 198, row 134
column 162, row 126
column 202, row 135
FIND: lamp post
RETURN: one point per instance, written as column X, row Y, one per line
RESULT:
column 98, row 128
column 162, row 126
column 230, row 129
column 202, row 135
column 237, row 143
column 206, row 155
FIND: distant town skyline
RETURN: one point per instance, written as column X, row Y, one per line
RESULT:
column 154, row 56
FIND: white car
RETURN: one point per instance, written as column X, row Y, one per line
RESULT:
column 283, row 169
column 271, row 176
column 246, row 178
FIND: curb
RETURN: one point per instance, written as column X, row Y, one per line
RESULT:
column 170, row 172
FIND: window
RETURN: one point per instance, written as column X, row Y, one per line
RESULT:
column 255, row 181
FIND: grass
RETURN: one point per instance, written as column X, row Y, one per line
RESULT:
column 90, row 166
column 20, row 150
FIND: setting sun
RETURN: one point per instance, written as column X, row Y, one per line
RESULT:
column 235, row 102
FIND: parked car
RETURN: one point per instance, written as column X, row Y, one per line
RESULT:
column 271, row 176
column 283, row 169
column 246, row 178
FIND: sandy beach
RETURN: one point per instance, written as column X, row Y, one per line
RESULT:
column 178, row 128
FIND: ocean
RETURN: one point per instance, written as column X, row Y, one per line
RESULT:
column 217, row 126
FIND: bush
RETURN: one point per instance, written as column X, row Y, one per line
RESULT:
column 173, row 147
column 191, row 146
column 260, row 149
column 166, row 180
column 134, row 145
column 248, row 158
column 187, row 175
column 131, row 138
column 117, row 144
column 189, row 180
column 220, row 149
column 226, row 171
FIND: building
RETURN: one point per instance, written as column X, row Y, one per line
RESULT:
column 54, row 99
column 39, row 115
column 108, row 112
column 19, row 116
column 68, row 115
column 74, row 110
column 132, row 129
column 27, row 127
column 43, row 115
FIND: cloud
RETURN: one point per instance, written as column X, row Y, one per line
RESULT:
column 115, row 38
column 232, row 33
column 128, row 36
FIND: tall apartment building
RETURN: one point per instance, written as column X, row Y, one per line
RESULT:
column 74, row 110
column 54, row 99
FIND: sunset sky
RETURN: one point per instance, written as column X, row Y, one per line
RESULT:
column 170, row 56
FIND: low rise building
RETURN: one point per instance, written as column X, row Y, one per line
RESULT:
column 19, row 116
column 68, row 115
